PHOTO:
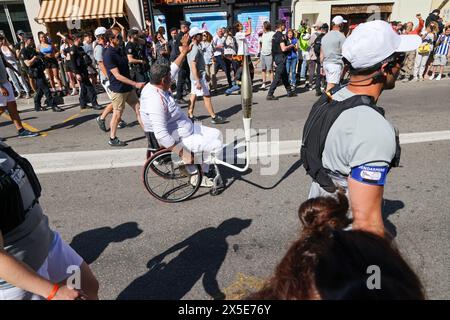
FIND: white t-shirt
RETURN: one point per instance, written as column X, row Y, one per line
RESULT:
column 266, row 43
column 242, row 44
column 217, row 41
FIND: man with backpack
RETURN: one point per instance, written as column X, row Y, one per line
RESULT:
column 347, row 142
column 315, row 44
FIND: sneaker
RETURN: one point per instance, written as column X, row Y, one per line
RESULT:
column 116, row 142
column 406, row 79
column 96, row 106
column 101, row 124
column 122, row 124
column 271, row 98
column 218, row 120
column 432, row 77
column 263, row 87
column 206, row 182
column 24, row 133
column 57, row 109
column 415, row 79
column 74, row 92
column 438, row 78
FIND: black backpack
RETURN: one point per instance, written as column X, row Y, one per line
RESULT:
column 322, row 116
column 318, row 44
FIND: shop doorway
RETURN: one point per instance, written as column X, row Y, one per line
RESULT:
column 174, row 15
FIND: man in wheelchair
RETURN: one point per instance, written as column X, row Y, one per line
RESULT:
column 170, row 126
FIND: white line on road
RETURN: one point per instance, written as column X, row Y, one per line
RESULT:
column 122, row 158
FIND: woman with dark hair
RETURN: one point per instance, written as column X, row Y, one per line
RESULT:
column 161, row 49
column 51, row 63
column 328, row 263
column 208, row 52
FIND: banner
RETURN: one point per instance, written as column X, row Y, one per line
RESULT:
column 209, row 21
column 258, row 17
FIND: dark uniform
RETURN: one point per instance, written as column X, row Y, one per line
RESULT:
column 184, row 73
column 138, row 71
column 79, row 64
column 280, row 59
column 36, row 71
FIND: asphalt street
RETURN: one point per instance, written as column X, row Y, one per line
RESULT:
column 211, row 247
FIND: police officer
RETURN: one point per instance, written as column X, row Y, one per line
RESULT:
column 80, row 61
column 35, row 64
column 360, row 146
column 280, row 51
column 135, row 50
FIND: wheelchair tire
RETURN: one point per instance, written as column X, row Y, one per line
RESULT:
column 168, row 182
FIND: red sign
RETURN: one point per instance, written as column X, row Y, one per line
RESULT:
column 183, row 2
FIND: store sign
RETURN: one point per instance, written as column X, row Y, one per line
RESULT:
column 183, row 2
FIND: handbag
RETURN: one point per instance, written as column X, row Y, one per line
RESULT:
column 424, row 48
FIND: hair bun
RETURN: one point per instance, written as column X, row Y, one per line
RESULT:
column 325, row 213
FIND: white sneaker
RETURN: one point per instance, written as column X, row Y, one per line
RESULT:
column 416, row 79
column 438, row 78
column 263, row 87
column 74, row 92
column 206, row 182
column 432, row 77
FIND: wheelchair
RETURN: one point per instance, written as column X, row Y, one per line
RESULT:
column 167, row 178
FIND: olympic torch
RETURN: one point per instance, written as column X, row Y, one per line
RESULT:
column 246, row 97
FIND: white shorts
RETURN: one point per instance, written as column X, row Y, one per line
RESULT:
column 204, row 141
column 10, row 97
column 55, row 268
column 333, row 72
column 440, row 60
column 204, row 91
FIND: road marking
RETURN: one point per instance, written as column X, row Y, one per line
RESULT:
column 124, row 158
column 242, row 286
column 27, row 126
column 71, row 117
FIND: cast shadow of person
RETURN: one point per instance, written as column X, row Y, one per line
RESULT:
column 203, row 254
column 389, row 208
column 91, row 244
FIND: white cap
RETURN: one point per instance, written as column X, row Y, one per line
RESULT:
column 99, row 31
column 338, row 20
column 372, row 42
column 194, row 31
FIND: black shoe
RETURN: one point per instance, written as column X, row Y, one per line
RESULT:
column 181, row 101
column 116, row 142
column 101, row 124
column 218, row 120
column 271, row 98
column 193, row 118
column 82, row 107
column 122, row 124
column 24, row 133
column 57, row 109
column 318, row 93
column 96, row 106
column 292, row 94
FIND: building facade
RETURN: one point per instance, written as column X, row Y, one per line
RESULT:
column 357, row 11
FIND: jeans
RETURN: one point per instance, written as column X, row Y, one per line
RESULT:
column 291, row 66
column 303, row 69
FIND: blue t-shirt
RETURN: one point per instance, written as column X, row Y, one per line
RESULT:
column 112, row 58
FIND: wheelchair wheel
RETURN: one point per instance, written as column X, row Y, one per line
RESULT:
column 166, row 178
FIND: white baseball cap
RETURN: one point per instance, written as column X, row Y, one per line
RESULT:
column 99, row 31
column 195, row 31
column 338, row 20
column 372, row 42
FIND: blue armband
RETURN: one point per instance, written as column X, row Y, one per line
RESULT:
column 370, row 175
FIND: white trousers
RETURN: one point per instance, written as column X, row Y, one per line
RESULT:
column 419, row 65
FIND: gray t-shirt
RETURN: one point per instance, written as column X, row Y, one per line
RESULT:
column 332, row 47
column 266, row 43
column 98, row 56
column 359, row 136
column 197, row 56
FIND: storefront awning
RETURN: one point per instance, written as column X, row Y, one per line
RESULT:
column 358, row 9
column 66, row 10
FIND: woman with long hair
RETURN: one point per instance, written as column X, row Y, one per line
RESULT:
column 328, row 263
column 161, row 50
column 18, row 81
column 66, row 43
column 208, row 53
column 50, row 53
column 292, row 58
column 424, row 52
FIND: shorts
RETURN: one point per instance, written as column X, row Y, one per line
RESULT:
column 55, row 268
column 119, row 99
column 440, row 60
column 10, row 97
column 333, row 72
column 51, row 63
column 204, row 91
column 266, row 63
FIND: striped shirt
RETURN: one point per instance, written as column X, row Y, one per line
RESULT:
column 444, row 45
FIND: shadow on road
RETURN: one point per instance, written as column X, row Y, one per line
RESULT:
column 202, row 255
column 389, row 208
column 91, row 244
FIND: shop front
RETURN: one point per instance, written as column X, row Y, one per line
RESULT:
column 13, row 17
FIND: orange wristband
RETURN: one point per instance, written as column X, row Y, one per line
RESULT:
column 54, row 291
